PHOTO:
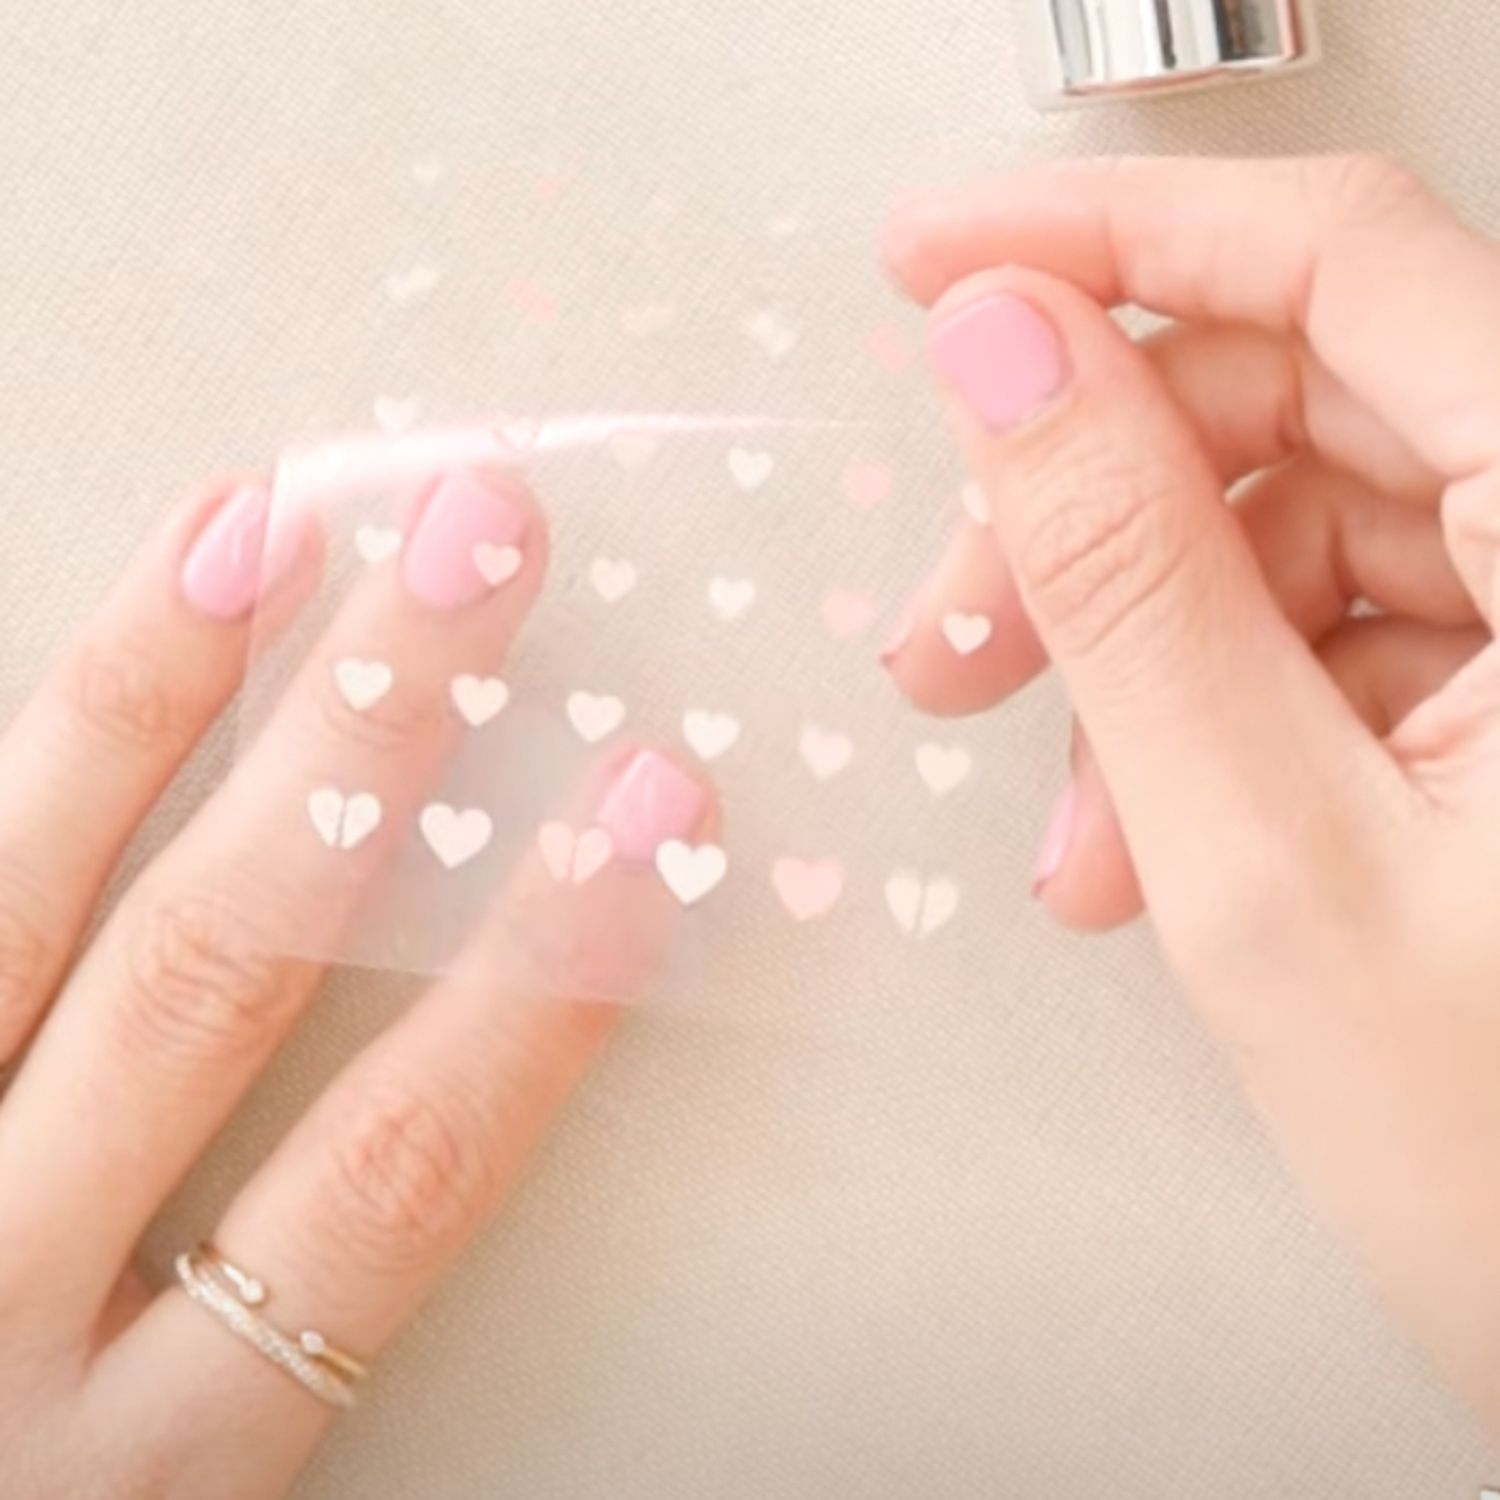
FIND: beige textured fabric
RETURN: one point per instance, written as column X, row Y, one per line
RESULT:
column 994, row 1224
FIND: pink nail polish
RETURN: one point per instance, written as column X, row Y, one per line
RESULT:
column 1057, row 840
column 902, row 632
column 229, row 567
column 1002, row 357
column 466, row 543
column 650, row 801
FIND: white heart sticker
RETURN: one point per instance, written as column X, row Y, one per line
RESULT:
column 633, row 450
column 710, row 735
column 943, row 768
column 731, row 598
column 967, row 633
column 826, row 752
column 412, row 284
column 774, row 332
column 362, row 684
column 921, row 907
column 394, row 414
column 750, row 468
column 612, row 580
column 377, row 544
column 573, row 857
column 344, row 822
column 479, row 700
column 595, row 716
column 497, row 565
column 455, row 836
column 691, row 873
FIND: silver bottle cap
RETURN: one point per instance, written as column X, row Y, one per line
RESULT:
column 1080, row 49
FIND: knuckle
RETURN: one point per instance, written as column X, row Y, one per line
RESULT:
column 405, row 718
column 1098, row 559
column 29, row 958
column 125, row 698
column 201, row 982
column 410, row 1175
column 1361, row 190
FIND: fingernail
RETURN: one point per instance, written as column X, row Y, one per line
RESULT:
column 900, row 634
column 229, row 567
column 1002, row 357
column 650, row 801
column 466, row 543
column 1057, row 840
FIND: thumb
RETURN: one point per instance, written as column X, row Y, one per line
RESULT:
column 1204, row 707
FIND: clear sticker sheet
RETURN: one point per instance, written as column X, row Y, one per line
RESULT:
column 595, row 638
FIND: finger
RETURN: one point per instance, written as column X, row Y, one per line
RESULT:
column 1139, row 582
column 92, row 752
column 1326, row 541
column 379, row 1188
column 1384, row 667
column 1398, row 298
column 186, row 993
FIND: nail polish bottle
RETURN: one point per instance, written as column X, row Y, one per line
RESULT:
column 1079, row 51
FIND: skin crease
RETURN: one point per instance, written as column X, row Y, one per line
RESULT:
column 1330, row 371
column 1331, row 363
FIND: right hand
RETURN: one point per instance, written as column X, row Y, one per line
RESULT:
column 1307, row 801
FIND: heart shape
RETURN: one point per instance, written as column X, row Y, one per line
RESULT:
column 967, row 633
column 455, row 836
column 520, row 434
column 532, row 300
column 710, row 735
column 574, row 857
column 394, row 414
column 497, row 565
column 612, row 580
column 344, row 822
column 377, row 544
column 689, row 872
column 362, row 684
column 867, row 485
column 943, row 768
column 772, row 331
column 595, row 716
column 479, row 700
column 808, row 888
column 749, row 468
column 826, row 752
column 633, row 450
column 921, row 907
column 731, row 598
column 847, row 614
column 413, row 284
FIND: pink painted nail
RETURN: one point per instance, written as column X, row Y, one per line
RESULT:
column 1057, row 840
column 230, row 567
column 650, row 801
column 1002, row 357
column 467, row 542
column 900, row 635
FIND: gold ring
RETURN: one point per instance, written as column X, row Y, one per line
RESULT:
column 234, row 1296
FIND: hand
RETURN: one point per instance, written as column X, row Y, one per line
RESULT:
column 145, row 1048
column 1306, row 797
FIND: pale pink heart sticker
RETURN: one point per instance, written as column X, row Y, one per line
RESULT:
column 532, row 300
column 573, row 857
column 497, row 565
column 868, row 484
column 550, row 189
column 892, row 349
column 808, row 888
column 847, row 614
